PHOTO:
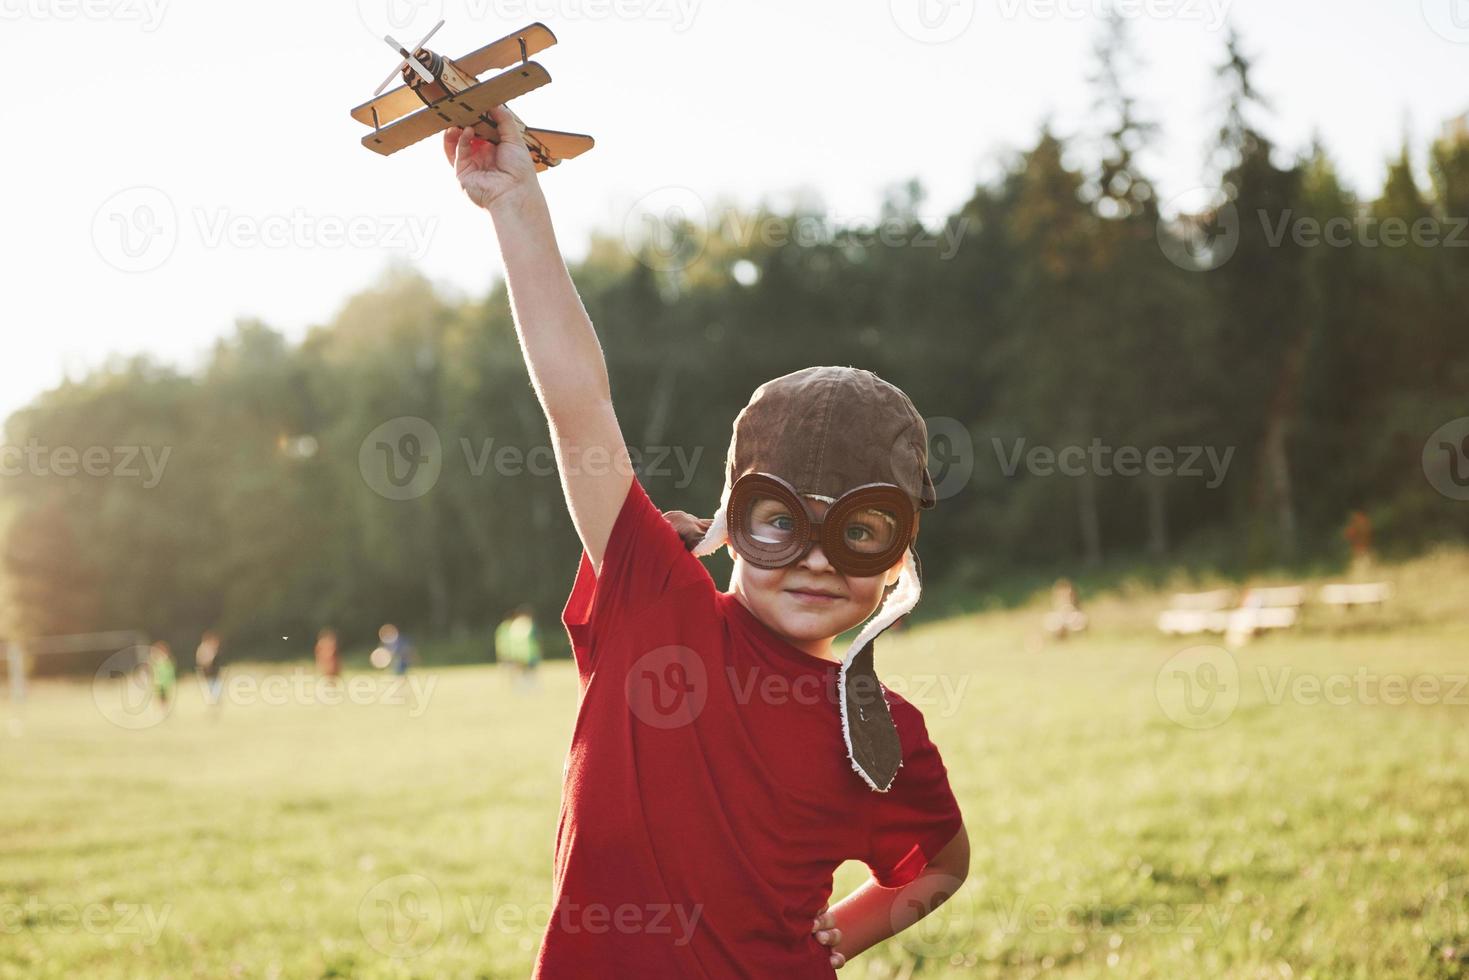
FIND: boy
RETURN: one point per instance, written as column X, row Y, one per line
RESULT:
column 706, row 801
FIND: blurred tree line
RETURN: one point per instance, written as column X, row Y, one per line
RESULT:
column 1061, row 305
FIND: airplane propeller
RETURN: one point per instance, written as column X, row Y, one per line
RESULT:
column 409, row 58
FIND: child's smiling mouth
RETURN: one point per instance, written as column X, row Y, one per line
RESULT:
column 814, row 597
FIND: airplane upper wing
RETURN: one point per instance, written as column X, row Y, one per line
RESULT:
column 468, row 108
column 506, row 51
column 497, row 54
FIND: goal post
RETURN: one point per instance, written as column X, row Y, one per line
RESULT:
column 107, row 645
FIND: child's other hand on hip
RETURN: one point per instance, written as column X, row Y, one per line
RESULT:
column 824, row 928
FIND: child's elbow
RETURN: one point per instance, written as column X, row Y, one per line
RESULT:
column 953, row 860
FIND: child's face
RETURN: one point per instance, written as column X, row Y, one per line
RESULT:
column 809, row 602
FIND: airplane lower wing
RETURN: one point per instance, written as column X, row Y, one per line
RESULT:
column 470, row 107
column 561, row 146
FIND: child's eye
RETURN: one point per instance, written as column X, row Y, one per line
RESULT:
column 784, row 522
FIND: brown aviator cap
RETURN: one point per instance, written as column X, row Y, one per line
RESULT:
column 826, row 430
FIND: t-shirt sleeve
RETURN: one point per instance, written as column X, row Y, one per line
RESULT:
column 645, row 558
column 918, row 815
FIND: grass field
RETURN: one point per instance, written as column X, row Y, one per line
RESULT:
column 1311, row 821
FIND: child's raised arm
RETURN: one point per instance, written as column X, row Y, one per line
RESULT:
column 556, row 336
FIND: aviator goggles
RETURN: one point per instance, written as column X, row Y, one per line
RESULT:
column 863, row 533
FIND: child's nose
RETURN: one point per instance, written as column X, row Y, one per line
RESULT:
column 815, row 560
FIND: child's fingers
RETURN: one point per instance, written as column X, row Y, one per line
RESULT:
column 829, row 937
column 451, row 140
column 838, row 961
column 507, row 127
column 462, row 149
column 824, row 920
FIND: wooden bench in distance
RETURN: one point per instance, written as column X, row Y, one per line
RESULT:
column 1197, row 612
column 1346, row 595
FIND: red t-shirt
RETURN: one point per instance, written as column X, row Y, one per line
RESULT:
column 708, row 797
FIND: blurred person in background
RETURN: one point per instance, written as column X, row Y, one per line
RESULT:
column 399, row 651
column 1358, row 533
column 328, row 657
column 1065, row 616
column 165, row 676
column 207, row 664
column 518, row 645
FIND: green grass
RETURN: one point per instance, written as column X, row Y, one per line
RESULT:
column 1294, row 838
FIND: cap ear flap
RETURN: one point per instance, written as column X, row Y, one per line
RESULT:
column 718, row 533
column 890, row 579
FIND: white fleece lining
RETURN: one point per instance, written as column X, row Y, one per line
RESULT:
column 718, row 533
column 905, row 595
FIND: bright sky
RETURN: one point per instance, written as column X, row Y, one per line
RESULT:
column 177, row 164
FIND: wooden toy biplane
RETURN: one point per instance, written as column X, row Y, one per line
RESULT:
column 447, row 92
